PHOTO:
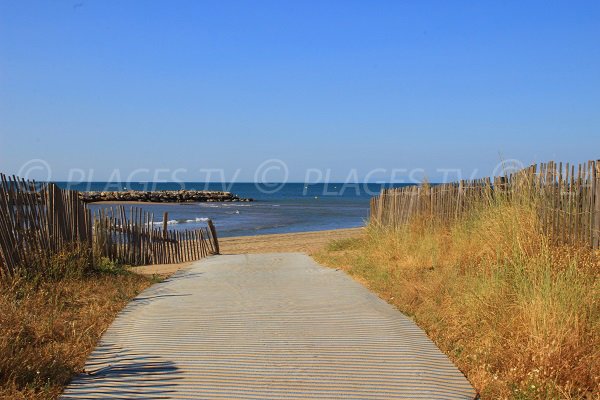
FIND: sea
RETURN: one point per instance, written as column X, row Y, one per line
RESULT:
column 277, row 207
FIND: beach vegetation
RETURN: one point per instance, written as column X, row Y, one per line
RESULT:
column 51, row 319
column 515, row 310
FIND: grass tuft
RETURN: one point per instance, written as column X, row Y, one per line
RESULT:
column 342, row 244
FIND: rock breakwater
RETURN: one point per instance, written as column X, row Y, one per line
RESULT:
column 163, row 196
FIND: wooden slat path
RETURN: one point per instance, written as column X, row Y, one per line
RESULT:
column 265, row 326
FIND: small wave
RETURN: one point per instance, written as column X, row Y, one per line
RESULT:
column 197, row 219
column 182, row 221
column 169, row 222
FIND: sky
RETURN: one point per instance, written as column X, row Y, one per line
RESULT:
column 339, row 90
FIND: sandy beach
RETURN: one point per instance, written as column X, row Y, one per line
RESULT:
column 305, row 242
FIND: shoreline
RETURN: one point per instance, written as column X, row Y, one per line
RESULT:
column 303, row 242
column 138, row 202
column 307, row 242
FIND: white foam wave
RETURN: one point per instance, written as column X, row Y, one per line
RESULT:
column 181, row 221
column 197, row 219
column 169, row 222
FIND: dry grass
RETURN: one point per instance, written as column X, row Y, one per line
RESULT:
column 517, row 314
column 49, row 326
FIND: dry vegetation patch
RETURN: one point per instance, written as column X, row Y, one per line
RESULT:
column 519, row 315
column 49, row 326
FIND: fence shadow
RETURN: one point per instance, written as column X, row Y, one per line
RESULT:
column 141, row 380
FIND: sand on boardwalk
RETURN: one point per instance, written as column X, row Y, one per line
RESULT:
column 304, row 242
column 162, row 270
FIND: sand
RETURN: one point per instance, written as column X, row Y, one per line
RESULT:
column 303, row 242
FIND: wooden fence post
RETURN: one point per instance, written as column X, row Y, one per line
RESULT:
column 213, row 233
column 165, row 219
column 596, row 219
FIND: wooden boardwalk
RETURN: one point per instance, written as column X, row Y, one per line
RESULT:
column 265, row 326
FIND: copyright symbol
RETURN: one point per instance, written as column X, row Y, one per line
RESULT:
column 507, row 167
column 271, row 175
column 35, row 168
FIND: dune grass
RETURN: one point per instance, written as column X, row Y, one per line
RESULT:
column 517, row 313
column 50, row 322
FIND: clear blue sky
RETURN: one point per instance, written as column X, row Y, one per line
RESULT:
column 318, row 84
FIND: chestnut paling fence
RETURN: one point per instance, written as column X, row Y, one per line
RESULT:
column 38, row 221
column 566, row 197
column 133, row 239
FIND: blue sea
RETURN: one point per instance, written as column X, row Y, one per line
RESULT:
column 277, row 208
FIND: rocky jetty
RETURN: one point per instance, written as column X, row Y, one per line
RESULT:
column 163, row 196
